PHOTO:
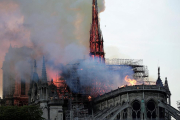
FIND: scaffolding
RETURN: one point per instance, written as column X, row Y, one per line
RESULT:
column 77, row 108
column 140, row 71
column 77, row 101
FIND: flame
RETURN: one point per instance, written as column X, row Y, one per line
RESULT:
column 52, row 74
column 89, row 98
column 130, row 81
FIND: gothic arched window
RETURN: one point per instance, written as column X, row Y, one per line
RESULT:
column 151, row 109
column 136, row 110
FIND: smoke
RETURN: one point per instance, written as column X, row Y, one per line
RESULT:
column 58, row 23
column 98, row 77
column 57, row 29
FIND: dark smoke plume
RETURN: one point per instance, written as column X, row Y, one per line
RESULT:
column 58, row 29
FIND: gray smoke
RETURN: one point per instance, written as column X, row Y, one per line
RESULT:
column 58, row 29
column 99, row 77
column 57, row 26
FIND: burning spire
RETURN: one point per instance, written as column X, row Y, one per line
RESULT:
column 44, row 75
column 96, row 39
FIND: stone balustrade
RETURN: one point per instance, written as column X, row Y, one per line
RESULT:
column 126, row 89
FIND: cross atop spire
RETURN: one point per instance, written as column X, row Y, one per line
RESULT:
column 44, row 75
column 96, row 39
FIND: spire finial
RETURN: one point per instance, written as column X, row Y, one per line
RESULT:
column 159, row 81
column 10, row 47
column 158, row 72
column 166, row 82
column 44, row 75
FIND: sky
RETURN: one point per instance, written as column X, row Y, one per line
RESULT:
column 148, row 30
column 132, row 29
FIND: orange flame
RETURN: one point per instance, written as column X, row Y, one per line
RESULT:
column 89, row 98
column 123, row 86
column 130, row 81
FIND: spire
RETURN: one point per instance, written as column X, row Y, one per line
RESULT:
column 44, row 76
column 35, row 66
column 96, row 40
column 31, row 62
column 10, row 48
column 166, row 82
column 167, row 86
column 159, row 81
column 158, row 72
column 35, row 77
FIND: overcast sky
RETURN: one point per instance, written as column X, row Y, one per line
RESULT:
column 148, row 30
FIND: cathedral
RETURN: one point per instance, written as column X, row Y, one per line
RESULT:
column 59, row 102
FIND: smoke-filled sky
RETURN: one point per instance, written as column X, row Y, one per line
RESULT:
column 135, row 29
column 57, row 29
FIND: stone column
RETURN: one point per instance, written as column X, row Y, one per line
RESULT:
column 127, row 97
column 129, row 113
column 143, row 110
column 157, row 113
column 121, row 115
column 46, row 94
